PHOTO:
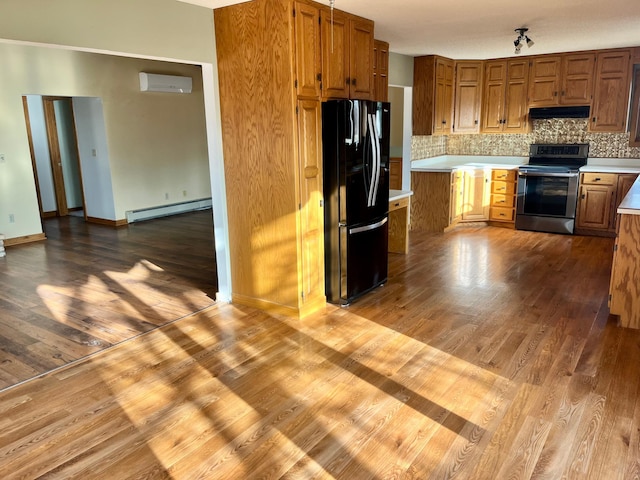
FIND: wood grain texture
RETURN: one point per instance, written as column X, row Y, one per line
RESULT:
column 430, row 202
column 474, row 362
column 625, row 276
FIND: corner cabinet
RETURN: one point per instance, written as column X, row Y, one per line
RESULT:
column 380, row 71
column 347, row 55
column 504, row 108
column 611, row 91
column 432, row 95
column 276, row 231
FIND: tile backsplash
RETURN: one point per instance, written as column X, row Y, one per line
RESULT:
column 573, row 130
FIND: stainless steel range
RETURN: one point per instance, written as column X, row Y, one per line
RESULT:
column 548, row 187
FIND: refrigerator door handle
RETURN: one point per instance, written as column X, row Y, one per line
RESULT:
column 378, row 162
column 349, row 137
column 374, row 162
column 366, row 228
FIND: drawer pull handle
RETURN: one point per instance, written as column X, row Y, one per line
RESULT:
column 597, row 179
column 397, row 204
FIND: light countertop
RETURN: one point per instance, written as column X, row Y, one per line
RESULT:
column 631, row 202
column 398, row 194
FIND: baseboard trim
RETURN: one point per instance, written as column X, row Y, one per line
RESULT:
column 48, row 214
column 277, row 308
column 167, row 210
column 9, row 242
column 109, row 223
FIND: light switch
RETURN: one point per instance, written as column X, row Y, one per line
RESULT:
column 1, row 157
column 94, row 152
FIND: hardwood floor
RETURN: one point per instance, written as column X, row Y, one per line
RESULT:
column 489, row 354
column 88, row 287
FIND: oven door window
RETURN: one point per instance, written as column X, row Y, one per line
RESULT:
column 546, row 196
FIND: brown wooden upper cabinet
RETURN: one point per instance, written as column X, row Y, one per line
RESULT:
column 380, row 71
column 504, row 108
column 468, row 96
column 308, row 56
column 611, row 91
column 634, row 138
column 347, row 55
column 432, row 95
column 561, row 79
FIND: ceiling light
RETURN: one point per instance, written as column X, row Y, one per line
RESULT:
column 522, row 39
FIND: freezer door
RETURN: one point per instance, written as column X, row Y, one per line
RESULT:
column 364, row 257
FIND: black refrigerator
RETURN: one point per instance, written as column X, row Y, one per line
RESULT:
column 355, row 146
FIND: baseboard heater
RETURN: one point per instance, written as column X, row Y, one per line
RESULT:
column 166, row 210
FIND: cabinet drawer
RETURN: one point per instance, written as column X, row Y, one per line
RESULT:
column 503, row 188
column 504, row 175
column 599, row 178
column 398, row 204
column 502, row 214
column 508, row 201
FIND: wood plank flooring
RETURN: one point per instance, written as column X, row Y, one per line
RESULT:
column 489, row 354
column 88, row 287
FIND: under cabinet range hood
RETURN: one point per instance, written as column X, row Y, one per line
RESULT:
column 559, row 112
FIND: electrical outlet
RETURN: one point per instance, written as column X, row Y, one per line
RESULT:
column 1, row 157
column 12, row 218
column 184, row 193
column 166, row 196
column 94, row 152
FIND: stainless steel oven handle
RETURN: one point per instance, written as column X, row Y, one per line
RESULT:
column 548, row 174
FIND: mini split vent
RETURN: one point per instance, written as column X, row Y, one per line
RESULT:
column 151, row 82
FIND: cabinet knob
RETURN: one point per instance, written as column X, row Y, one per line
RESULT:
column 347, row 81
column 597, row 179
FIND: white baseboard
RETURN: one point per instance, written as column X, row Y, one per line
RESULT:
column 166, row 210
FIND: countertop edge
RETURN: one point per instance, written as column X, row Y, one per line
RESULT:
column 399, row 194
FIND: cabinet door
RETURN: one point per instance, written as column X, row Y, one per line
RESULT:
column 381, row 71
column 544, row 81
column 424, row 76
column 625, row 182
column 634, row 139
column 594, row 207
column 335, row 54
column 477, row 192
column 311, row 210
column 361, row 59
column 577, row 79
column 611, row 92
column 456, row 198
column 468, row 95
column 516, row 97
column 444, row 96
column 495, row 78
column 308, row 58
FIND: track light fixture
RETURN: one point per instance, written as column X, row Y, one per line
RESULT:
column 522, row 39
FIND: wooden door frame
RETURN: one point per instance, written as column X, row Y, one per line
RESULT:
column 54, row 153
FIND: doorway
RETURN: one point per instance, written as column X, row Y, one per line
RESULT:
column 55, row 155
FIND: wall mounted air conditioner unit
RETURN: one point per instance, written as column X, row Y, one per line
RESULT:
column 152, row 82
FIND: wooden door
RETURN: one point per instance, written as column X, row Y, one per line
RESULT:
column 494, row 88
column 594, row 207
column 611, row 92
column 443, row 107
column 516, row 110
column 477, row 192
column 468, row 97
column 361, row 59
column 634, row 128
column 308, row 50
column 424, row 76
column 335, row 54
column 311, row 202
column 577, row 78
column 544, row 81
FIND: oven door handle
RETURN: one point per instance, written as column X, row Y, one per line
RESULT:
column 547, row 174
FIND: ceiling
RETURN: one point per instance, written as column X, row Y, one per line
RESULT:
column 481, row 29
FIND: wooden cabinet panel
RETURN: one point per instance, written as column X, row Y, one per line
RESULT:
column 311, row 211
column 561, row 80
column 624, row 184
column 544, row 81
column 468, row 96
column 623, row 290
column 381, row 71
column 634, row 138
column 595, row 207
column 503, row 197
column 611, row 92
column 308, row 53
column 395, row 173
column 505, row 96
column 577, row 78
column 335, row 54
column 361, row 59
column 432, row 95
column 477, row 194
column 431, row 202
column 456, row 200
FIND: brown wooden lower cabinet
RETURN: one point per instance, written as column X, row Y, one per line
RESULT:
column 599, row 196
column 503, row 197
column 624, row 290
column 395, row 173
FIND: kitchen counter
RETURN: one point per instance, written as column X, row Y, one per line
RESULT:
column 631, row 202
column 448, row 163
column 399, row 208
